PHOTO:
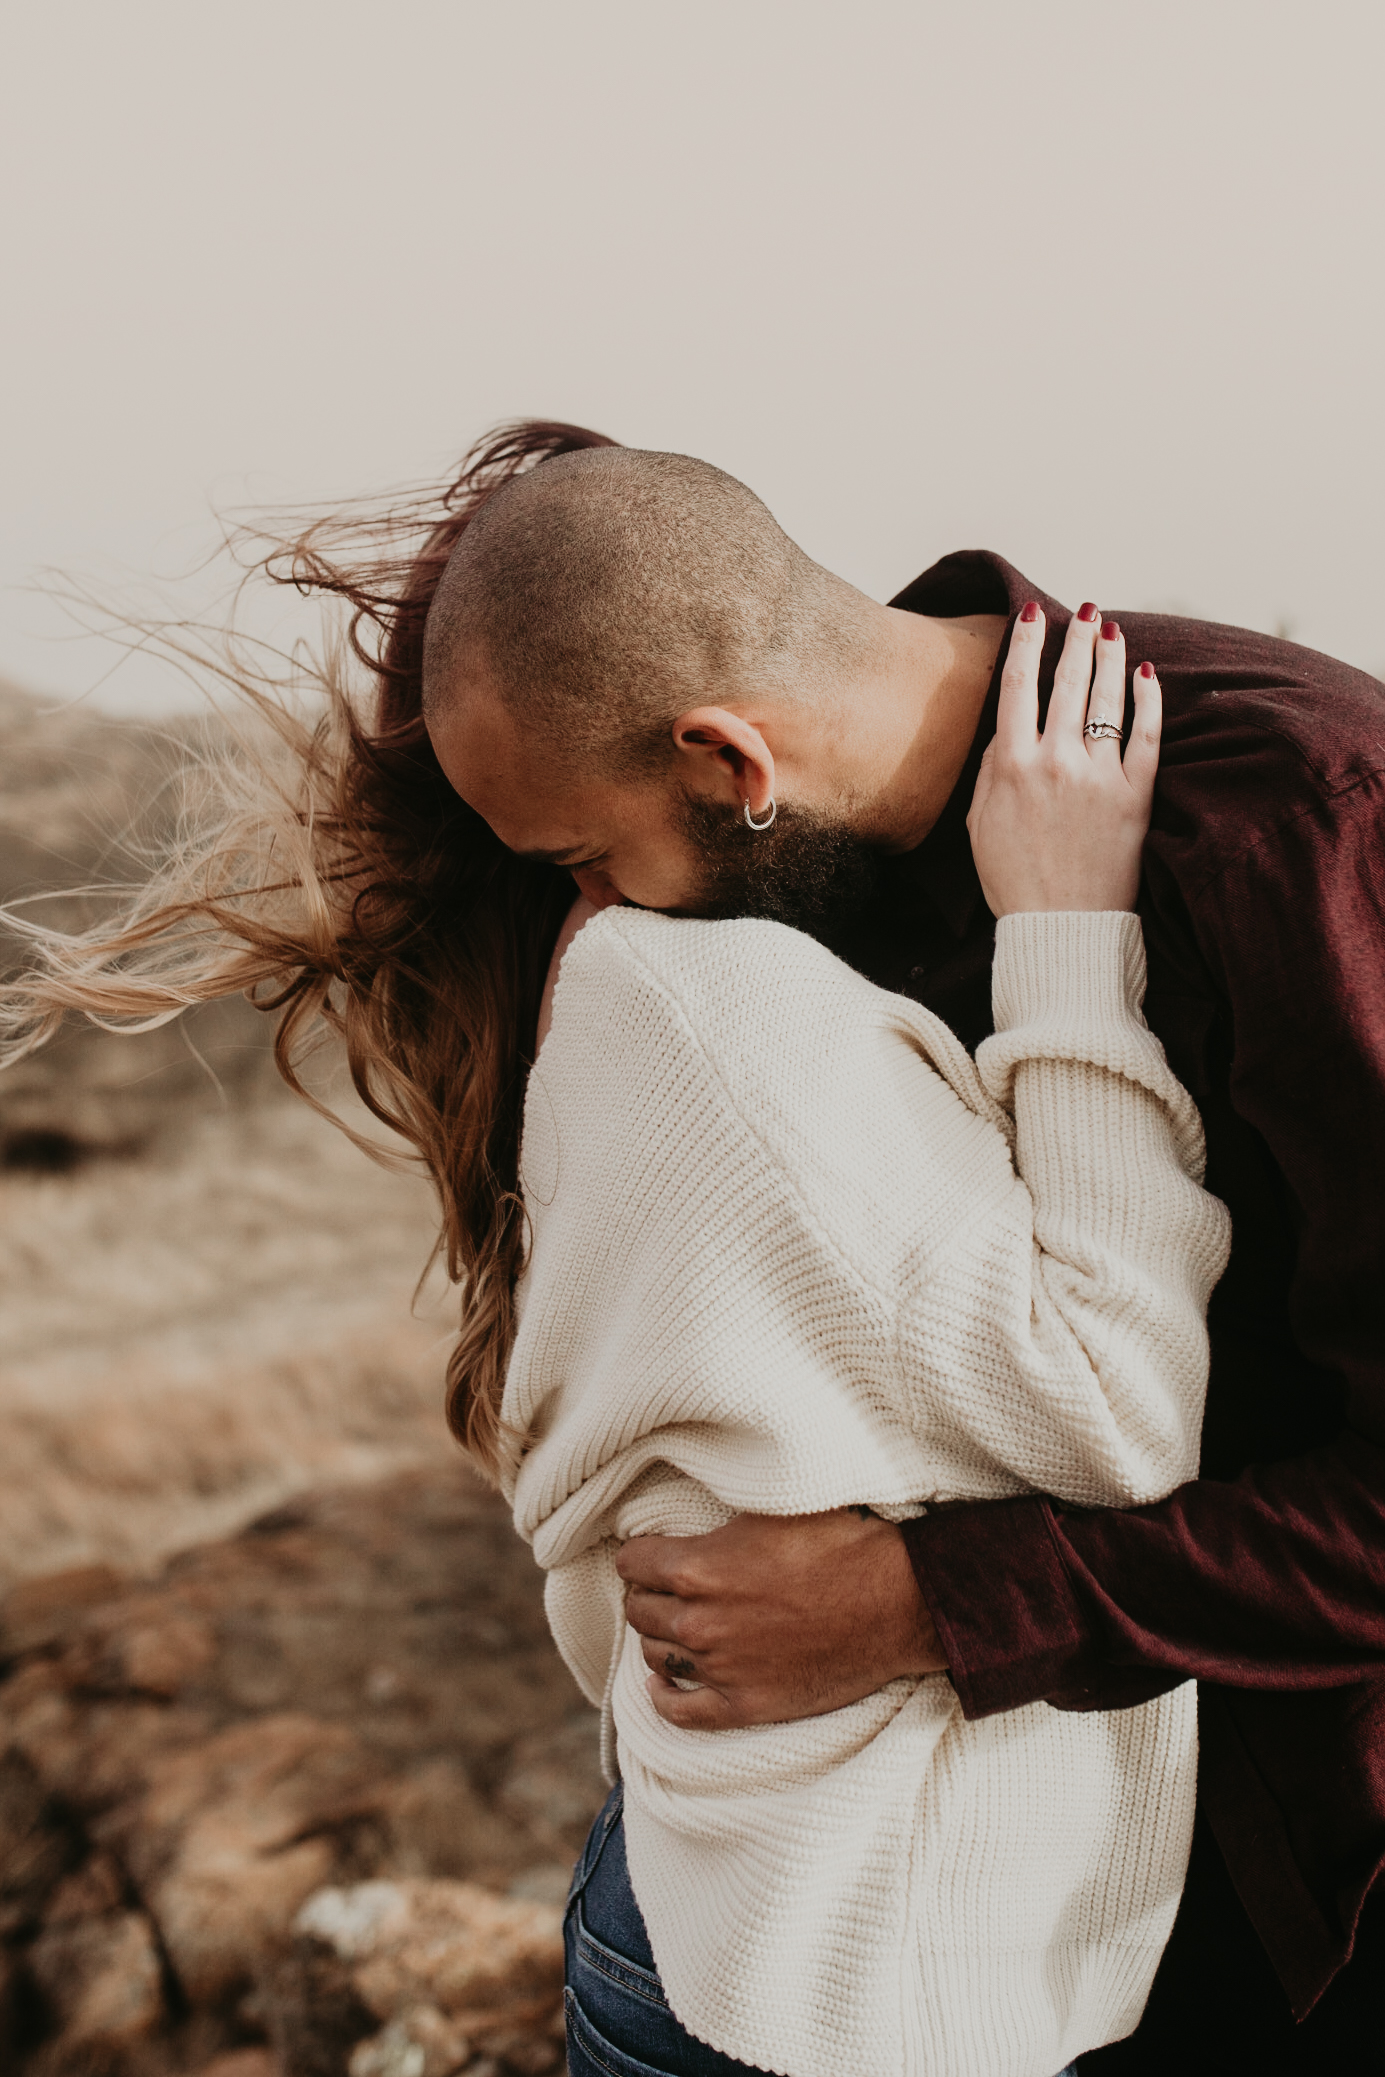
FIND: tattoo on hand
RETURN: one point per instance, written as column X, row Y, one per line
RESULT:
column 679, row 1669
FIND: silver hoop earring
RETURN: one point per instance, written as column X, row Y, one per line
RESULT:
column 768, row 822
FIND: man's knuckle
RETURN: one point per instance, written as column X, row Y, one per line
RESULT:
column 692, row 1712
column 637, row 1566
column 678, row 1628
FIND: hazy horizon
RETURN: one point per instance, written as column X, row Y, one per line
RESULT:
column 1101, row 290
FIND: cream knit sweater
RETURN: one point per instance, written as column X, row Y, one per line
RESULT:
column 792, row 1249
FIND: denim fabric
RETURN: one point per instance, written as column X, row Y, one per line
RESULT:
column 618, row 2020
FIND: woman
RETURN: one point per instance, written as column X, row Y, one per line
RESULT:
column 782, row 1261
column 830, row 1288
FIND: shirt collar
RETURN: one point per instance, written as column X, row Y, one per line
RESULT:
column 972, row 580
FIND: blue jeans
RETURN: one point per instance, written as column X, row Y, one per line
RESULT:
column 618, row 2019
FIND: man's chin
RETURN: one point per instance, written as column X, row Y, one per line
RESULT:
column 806, row 871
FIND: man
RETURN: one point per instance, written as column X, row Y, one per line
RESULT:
column 629, row 669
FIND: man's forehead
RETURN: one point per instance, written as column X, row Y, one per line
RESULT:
column 536, row 804
column 471, row 725
column 481, row 747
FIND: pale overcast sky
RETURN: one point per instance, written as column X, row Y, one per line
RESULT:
column 1099, row 286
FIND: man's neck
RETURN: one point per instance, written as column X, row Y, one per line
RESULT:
column 909, row 726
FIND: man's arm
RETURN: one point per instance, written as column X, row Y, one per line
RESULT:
column 1274, row 1581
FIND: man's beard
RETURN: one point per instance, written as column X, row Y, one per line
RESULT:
column 805, row 870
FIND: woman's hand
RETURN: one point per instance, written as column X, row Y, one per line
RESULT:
column 1058, row 820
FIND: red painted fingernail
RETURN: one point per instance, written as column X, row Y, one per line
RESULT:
column 1110, row 631
column 1030, row 613
column 1146, row 670
column 1089, row 612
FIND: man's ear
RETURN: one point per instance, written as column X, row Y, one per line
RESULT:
column 730, row 759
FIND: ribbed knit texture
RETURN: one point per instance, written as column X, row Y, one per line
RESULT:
column 783, row 1261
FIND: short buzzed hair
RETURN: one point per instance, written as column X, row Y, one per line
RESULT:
column 603, row 593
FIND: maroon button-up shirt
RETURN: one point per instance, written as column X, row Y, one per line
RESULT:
column 1264, row 913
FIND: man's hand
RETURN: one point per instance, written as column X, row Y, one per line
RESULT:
column 777, row 1616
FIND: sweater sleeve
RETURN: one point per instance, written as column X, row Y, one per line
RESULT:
column 1075, row 1308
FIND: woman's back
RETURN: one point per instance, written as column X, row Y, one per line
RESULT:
column 782, row 1262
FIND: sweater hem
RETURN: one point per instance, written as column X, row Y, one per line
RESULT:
column 969, row 1986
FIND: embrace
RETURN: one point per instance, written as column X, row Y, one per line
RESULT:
column 917, row 1203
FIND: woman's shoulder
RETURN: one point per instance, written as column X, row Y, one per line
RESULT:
column 691, row 1059
column 744, row 994
column 714, row 964
column 818, row 1062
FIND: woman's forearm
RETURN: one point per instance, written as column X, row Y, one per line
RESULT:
column 1085, row 1292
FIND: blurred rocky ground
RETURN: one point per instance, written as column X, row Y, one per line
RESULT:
column 290, row 1774
column 312, row 1791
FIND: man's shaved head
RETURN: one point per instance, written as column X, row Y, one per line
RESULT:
column 603, row 593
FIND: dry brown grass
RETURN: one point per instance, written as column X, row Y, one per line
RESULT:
column 213, row 1309
column 187, row 1339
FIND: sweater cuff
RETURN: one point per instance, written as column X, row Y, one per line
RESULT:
column 1001, row 1601
column 1070, row 968
column 1067, row 986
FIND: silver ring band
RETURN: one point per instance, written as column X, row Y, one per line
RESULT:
column 1103, row 728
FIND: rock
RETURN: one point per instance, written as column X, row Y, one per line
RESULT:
column 530, row 2054
column 242, row 2062
column 420, row 2042
column 485, row 1961
column 548, row 1882
column 89, row 1752
column 551, row 1781
column 229, row 1838
column 38, row 1611
column 160, row 1658
column 102, row 1980
column 357, row 1696
column 312, row 2009
column 91, row 1891
column 9, row 1999
column 36, row 1846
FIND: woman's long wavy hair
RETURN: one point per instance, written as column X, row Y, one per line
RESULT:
column 324, row 866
